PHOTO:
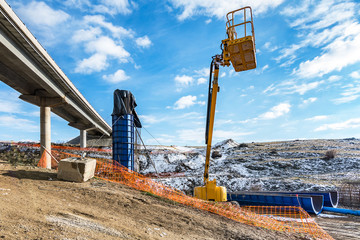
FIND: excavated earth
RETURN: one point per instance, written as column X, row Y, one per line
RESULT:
column 35, row 205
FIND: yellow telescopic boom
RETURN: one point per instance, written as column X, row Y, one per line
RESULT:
column 241, row 53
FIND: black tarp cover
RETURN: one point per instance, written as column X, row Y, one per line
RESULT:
column 124, row 103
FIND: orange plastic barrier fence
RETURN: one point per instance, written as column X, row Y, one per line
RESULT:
column 37, row 145
column 289, row 219
column 286, row 219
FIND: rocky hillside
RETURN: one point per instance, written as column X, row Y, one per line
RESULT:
column 289, row 165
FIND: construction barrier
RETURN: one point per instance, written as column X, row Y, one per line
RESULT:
column 279, row 218
column 288, row 219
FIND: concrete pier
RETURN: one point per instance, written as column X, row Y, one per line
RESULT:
column 45, row 133
column 83, row 138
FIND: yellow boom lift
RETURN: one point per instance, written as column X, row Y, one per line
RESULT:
column 239, row 50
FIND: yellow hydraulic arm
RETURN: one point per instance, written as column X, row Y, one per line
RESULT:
column 241, row 53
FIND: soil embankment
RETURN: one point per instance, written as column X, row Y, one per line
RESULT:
column 35, row 205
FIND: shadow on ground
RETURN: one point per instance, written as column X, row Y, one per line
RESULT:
column 29, row 174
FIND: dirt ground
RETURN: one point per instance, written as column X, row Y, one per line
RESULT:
column 339, row 226
column 35, row 205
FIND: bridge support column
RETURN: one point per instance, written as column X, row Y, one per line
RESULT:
column 45, row 134
column 83, row 138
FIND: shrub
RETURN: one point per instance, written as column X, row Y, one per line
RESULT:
column 330, row 154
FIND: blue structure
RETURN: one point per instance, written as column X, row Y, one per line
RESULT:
column 311, row 204
column 331, row 198
column 123, row 140
column 342, row 210
column 124, row 123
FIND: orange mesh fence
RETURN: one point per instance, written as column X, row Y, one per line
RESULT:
column 286, row 219
column 56, row 147
column 289, row 219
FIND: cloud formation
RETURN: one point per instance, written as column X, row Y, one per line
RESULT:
column 41, row 14
column 185, row 102
column 331, row 26
column 276, row 111
column 218, row 9
column 348, row 124
column 143, row 42
column 104, row 41
column 118, row 76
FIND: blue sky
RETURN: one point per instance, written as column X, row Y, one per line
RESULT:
column 306, row 85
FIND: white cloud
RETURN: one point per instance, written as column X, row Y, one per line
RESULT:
column 324, row 13
column 306, row 102
column 81, row 4
column 9, row 102
column 11, row 122
column 185, row 102
column 208, row 21
column 116, row 31
column 95, row 63
column 113, row 7
column 334, row 78
column 144, row 42
column 84, row 35
column 104, row 41
column 219, row 8
column 201, row 81
column 355, row 75
column 317, row 118
column 183, row 81
column 106, row 46
column 261, row 70
column 346, row 49
column 122, row 6
column 346, row 99
column 330, row 26
column 351, row 123
column 118, row 76
column 276, row 111
column 351, row 93
column 265, row 67
column 102, row 48
column 40, row 14
column 305, row 87
column 203, row 72
column 270, row 47
column 290, row 87
column 296, row 10
column 269, row 88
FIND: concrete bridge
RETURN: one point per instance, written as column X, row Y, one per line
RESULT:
column 28, row 68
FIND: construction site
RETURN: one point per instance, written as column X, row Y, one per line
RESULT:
column 107, row 183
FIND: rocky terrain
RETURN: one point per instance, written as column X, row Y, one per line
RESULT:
column 299, row 165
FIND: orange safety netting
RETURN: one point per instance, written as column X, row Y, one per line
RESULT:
column 279, row 218
column 289, row 219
